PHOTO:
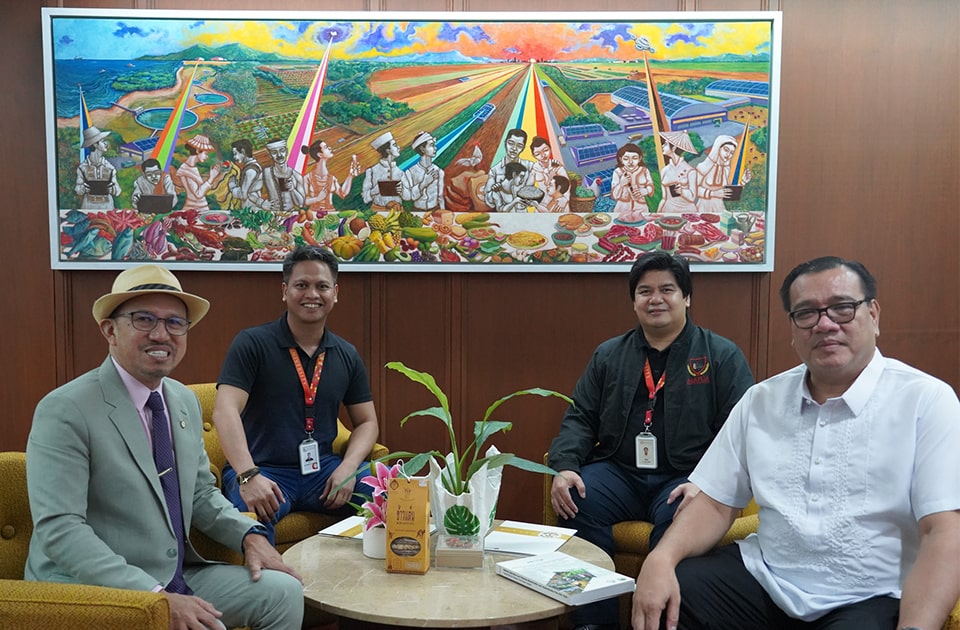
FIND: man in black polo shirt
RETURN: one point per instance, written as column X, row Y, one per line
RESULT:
column 647, row 406
column 279, row 393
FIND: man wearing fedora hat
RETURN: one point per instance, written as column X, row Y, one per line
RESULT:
column 382, row 182
column 117, row 475
column 96, row 177
column 423, row 182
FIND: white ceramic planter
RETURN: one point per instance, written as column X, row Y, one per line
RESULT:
column 375, row 542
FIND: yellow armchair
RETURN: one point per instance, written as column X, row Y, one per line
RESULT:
column 295, row 526
column 42, row 605
column 632, row 538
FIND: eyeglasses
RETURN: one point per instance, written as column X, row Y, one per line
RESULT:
column 146, row 322
column 839, row 313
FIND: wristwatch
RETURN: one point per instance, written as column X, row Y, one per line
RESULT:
column 247, row 475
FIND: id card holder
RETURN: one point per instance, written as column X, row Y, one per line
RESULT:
column 309, row 457
column 646, row 450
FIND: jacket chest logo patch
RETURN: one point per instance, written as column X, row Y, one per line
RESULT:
column 697, row 367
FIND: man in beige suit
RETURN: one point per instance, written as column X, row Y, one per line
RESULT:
column 115, row 486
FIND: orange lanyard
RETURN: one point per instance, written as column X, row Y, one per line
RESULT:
column 309, row 389
column 652, row 391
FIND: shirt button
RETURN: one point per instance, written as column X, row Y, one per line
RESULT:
column 823, row 423
column 817, row 460
column 171, row 553
column 814, row 498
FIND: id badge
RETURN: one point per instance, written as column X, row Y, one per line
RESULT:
column 309, row 457
column 646, row 450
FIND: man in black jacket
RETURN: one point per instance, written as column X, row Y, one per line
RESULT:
column 647, row 406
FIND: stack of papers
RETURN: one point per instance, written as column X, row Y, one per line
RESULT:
column 352, row 527
column 528, row 539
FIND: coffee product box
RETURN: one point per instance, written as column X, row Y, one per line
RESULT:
column 408, row 525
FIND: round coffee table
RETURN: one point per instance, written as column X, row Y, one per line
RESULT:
column 339, row 579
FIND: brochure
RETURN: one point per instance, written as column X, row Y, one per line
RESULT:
column 528, row 539
column 565, row 578
column 350, row 527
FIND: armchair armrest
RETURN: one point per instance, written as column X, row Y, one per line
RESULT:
column 343, row 439
column 41, row 605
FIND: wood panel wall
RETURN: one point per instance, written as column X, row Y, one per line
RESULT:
column 868, row 169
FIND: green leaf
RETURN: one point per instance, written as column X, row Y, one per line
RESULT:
column 424, row 379
column 537, row 391
column 460, row 521
column 436, row 412
column 509, row 459
column 416, row 463
column 483, row 430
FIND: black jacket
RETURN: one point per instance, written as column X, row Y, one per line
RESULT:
column 706, row 375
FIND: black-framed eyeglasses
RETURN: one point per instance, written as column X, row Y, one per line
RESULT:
column 839, row 313
column 142, row 320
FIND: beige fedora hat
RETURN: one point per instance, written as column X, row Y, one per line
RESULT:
column 145, row 280
column 91, row 136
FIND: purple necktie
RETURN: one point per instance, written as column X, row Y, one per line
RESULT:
column 167, row 469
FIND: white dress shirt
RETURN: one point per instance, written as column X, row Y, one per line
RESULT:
column 841, row 485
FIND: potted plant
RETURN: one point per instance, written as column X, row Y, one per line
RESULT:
column 374, row 508
column 465, row 483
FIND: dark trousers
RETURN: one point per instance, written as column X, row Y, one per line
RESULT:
column 615, row 494
column 717, row 592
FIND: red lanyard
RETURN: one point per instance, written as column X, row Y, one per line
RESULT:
column 652, row 391
column 309, row 389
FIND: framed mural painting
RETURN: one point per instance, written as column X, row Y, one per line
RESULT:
column 409, row 141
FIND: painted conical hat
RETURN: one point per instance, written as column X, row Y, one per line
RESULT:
column 679, row 139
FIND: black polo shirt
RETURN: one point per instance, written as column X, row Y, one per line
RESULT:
column 259, row 363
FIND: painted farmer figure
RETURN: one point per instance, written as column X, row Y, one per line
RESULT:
column 247, row 185
column 284, row 185
column 153, row 182
column 96, row 177
column 423, row 182
column 514, row 144
column 383, row 187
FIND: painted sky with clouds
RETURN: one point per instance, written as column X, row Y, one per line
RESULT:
column 126, row 38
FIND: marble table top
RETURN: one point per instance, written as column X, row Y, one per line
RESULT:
column 339, row 579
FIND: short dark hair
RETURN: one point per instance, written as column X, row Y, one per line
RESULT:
column 518, row 132
column 662, row 261
column 537, row 141
column 147, row 163
column 243, row 144
column 310, row 252
column 562, row 183
column 513, row 168
column 825, row 263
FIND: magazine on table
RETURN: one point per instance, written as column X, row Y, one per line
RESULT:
column 565, row 578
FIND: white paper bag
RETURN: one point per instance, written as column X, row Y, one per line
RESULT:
column 471, row 513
